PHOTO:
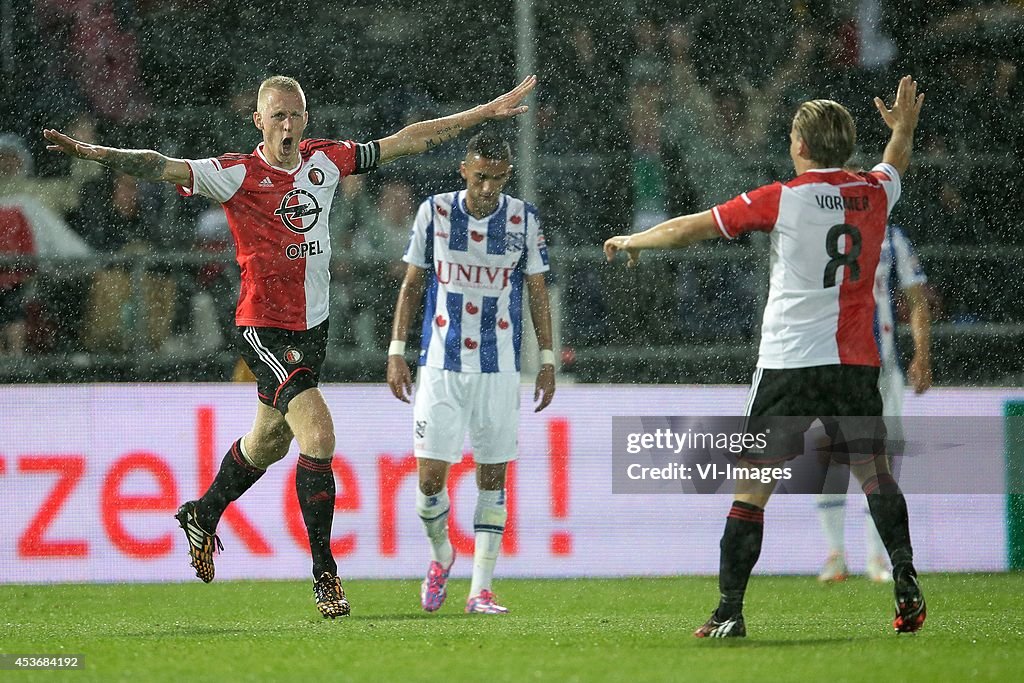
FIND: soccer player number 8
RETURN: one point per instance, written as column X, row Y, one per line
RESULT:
column 849, row 259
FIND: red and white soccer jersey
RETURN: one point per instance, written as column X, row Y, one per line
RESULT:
column 278, row 217
column 827, row 228
column 473, row 318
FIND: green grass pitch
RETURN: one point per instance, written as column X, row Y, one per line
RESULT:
column 560, row 630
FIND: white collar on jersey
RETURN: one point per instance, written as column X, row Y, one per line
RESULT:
column 259, row 151
column 822, row 170
column 460, row 197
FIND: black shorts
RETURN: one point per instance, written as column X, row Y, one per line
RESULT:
column 285, row 362
column 845, row 398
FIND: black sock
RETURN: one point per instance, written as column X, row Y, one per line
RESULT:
column 234, row 478
column 741, row 546
column 889, row 511
column 314, row 485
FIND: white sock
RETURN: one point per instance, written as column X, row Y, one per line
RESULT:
column 489, row 525
column 433, row 510
column 832, row 515
column 245, row 453
column 872, row 541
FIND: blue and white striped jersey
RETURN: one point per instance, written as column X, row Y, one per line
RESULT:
column 897, row 257
column 473, row 312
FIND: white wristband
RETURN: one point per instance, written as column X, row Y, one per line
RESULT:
column 547, row 357
column 396, row 348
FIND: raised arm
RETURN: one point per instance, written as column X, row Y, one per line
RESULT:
column 141, row 163
column 902, row 120
column 685, row 87
column 419, row 137
column 681, row 231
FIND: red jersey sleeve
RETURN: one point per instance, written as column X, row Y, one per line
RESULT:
column 754, row 210
column 889, row 178
column 350, row 157
column 217, row 178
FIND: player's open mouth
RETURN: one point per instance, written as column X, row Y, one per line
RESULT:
column 286, row 144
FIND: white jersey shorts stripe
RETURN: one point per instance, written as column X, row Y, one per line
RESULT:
column 753, row 390
column 251, row 336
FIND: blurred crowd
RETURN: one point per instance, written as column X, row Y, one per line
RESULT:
column 645, row 110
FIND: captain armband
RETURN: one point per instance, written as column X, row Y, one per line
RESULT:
column 367, row 156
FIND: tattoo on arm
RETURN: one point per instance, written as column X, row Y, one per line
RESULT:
column 443, row 135
column 141, row 163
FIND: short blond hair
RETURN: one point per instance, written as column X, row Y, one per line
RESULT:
column 828, row 130
column 281, row 84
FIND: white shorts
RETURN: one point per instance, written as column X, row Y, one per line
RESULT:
column 891, row 385
column 448, row 404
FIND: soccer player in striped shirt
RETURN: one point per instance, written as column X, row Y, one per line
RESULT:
column 475, row 252
column 818, row 357
column 277, row 201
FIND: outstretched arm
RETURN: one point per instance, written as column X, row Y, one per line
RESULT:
column 902, row 120
column 419, row 137
column 141, row 163
column 674, row 233
column 409, row 296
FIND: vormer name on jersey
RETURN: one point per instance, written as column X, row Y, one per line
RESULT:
column 826, row 228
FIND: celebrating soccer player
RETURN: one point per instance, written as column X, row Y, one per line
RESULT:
column 474, row 249
column 277, row 200
column 818, row 356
